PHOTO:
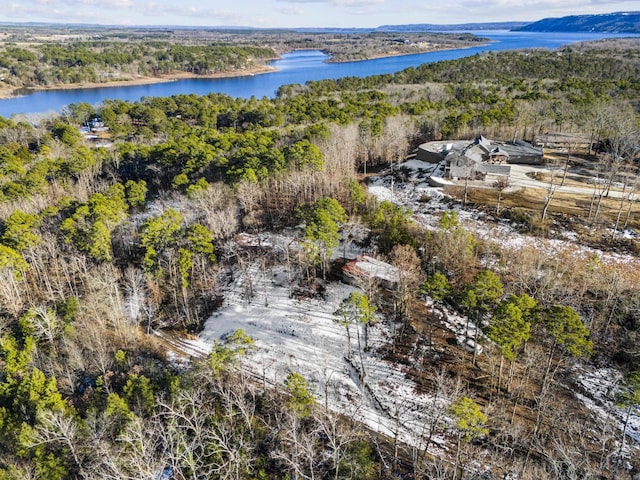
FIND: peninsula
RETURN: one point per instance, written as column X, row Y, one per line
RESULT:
column 58, row 57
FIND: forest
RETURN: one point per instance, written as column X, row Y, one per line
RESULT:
column 58, row 56
column 114, row 256
column 52, row 64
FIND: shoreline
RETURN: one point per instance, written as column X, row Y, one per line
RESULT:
column 402, row 54
column 12, row 92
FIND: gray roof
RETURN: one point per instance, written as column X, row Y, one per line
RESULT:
column 520, row 149
column 499, row 151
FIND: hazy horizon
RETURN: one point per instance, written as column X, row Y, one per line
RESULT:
column 297, row 13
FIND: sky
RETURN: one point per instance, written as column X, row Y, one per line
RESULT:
column 298, row 13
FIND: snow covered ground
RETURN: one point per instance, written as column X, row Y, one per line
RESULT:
column 599, row 385
column 302, row 335
column 299, row 334
column 412, row 193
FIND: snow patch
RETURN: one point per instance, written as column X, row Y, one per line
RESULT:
column 601, row 388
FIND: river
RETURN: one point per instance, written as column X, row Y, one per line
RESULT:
column 295, row 67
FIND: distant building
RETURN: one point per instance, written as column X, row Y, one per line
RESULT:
column 478, row 150
column 95, row 122
column 435, row 152
column 522, row 153
column 479, row 157
column 459, row 165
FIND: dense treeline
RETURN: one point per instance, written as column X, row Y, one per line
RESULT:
column 49, row 57
column 531, row 91
column 589, row 62
column 41, row 65
column 363, row 46
column 344, row 46
column 100, row 245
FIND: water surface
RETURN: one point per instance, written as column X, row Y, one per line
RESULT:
column 295, row 67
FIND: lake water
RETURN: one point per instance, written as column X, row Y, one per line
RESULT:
column 295, row 67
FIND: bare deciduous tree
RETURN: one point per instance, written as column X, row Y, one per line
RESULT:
column 407, row 263
column 500, row 185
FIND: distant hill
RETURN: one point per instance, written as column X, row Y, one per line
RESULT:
column 619, row 22
column 460, row 27
column 412, row 28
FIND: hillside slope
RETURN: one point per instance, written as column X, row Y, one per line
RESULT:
column 618, row 22
column 459, row 27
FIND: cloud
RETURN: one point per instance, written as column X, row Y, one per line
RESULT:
column 535, row 9
column 132, row 12
column 305, row 1
column 115, row 3
column 101, row 4
column 290, row 10
column 15, row 10
column 68, row 11
column 357, row 3
column 473, row 11
column 204, row 15
column 609, row 2
column 339, row 3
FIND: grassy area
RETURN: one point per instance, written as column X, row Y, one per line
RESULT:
column 570, row 205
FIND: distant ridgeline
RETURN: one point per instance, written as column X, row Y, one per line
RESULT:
column 618, row 22
column 458, row 27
